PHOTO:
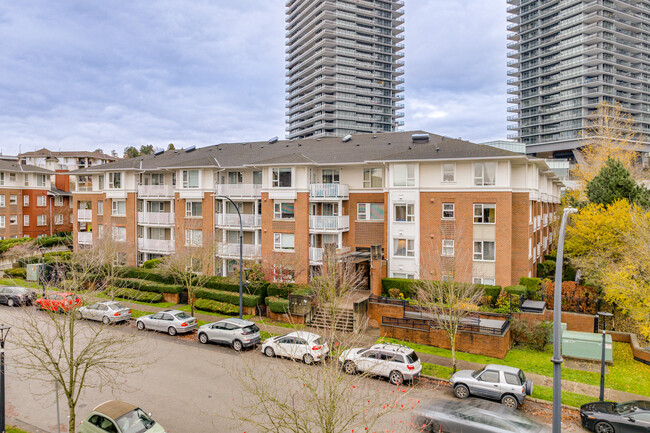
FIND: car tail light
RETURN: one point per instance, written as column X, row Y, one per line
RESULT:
column 411, row 367
column 316, row 348
column 116, row 314
column 523, row 390
column 184, row 324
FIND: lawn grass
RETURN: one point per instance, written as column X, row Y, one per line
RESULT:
column 150, row 304
column 20, row 282
column 282, row 324
column 139, row 313
column 264, row 335
column 434, row 370
column 10, row 429
column 625, row 375
column 211, row 313
column 568, row 398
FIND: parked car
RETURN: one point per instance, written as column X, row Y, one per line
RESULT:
column 171, row 321
column 16, row 295
column 608, row 417
column 475, row 417
column 393, row 361
column 496, row 382
column 235, row 332
column 119, row 417
column 106, row 312
column 300, row 345
column 59, row 302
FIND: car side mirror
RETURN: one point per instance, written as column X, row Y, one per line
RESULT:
column 631, row 419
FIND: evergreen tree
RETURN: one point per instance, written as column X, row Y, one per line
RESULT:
column 614, row 182
column 131, row 152
column 171, row 146
column 146, row 150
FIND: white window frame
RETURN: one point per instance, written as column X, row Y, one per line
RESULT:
column 409, row 212
column 275, row 177
column 112, row 177
column 119, row 234
column 41, row 220
column 2, row 221
column 409, row 251
column 41, row 200
column 40, row 180
column 116, row 208
column 278, row 242
column 448, row 248
column 26, row 179
column 189, row 209
column 100, row 207
column 277, row 210
column 186, row 176
column 479, row 253
column 483, row 280
column 2, row 200
column 58, row 219
column 12, row 177
column 368, row 177
column 13, row 200
column 448, row 208
column 26, row 220
column 481, row 214
column 449, row 173
column 193, row 238
column 13, row 220
column 2, row 179
column 58, row 200
column 479, row 179
column 409, row 179
column 403, row 275
column 25, row 200
column 363, row 213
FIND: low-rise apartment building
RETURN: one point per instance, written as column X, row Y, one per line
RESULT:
column 425, row 200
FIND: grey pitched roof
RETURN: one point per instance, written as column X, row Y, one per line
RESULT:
column 68, row 153
column 16, row 167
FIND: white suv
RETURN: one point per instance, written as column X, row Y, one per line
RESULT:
column 297, row 345
column 396, row 362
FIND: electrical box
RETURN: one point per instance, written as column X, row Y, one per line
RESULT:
column 34, row 271
column 588, row 346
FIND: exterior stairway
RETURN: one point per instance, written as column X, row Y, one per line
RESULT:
column 344, row 320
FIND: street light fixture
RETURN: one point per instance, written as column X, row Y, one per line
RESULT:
column 604, row 315
column 4, row 330
column 42, row 272
column 557, row 320
column 241, row 256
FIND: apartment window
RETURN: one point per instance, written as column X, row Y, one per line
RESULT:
column 2, row 221
column 40, row 180
column 41, row 200
column 404, row 212
column 373, row 177
column 484, row 213
column 403, row 275
column 12, row 177
column 449, row 172
column 25, row 200
column 101, row 184
column 484, row 250
column 193, row 209
column 283, row 241
column 485, row 173
column 157, row 179
column 448, row 247
column 26, row 220
column 100, row 207
column 41, row 220
column 26, row 179
column 13, row 220
column 58, row 219
column 13, row 199
column 119, row 234
column 485, row 281
column 235, row 177
column 58, row 200
column 448, row 211
column 2, row 179
column 404, row 247
column 370, row 211
column 281, row 178
column 2, row 200
column 100, row 230
column 119, row 207
column 448, row 278
column 193, row 238
column 115, row 180
column 404, row 175
column 190, row 178
column 257, row 178
column 331, row 176
column 283, row 210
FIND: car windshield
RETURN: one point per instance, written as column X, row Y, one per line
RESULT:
column 135, row 421
column 117, row 306
column 522, row 377
column 319, row 340
column 250, row 329
column 70, row 297
column 412, row 357
column 477, row 372
column 626, row 408
column 182, row 316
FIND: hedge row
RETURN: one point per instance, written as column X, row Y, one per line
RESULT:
column 135, row 295
column 63, row 238
column 53, row 257
column 7, row 244
column 277, row 305
column 408, row 287
column 229, row 297
column 151, row 263
column 228, row 285
column 143, row 274
column 16, row 272
column 216, row 306
column 516, row 290
column 147, row 286
column 285, row 290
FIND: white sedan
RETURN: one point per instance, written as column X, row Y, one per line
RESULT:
column 299, row 345
column 106, row 312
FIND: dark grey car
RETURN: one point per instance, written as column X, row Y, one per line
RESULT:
column 496, row 382
column 16, row 295
column 234, row 332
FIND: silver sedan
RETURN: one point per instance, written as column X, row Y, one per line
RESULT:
column 171, row 321
column 106, row 312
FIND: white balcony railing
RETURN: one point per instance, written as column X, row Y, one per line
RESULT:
column 328, row 223
column 240, row 190
column 329, row 191
column 85, row 215
column 156, row 218
column 155, row 191
column 315, row 255
column 85, row 238
column 250, row 251
column 232, row 220
column 161, row 246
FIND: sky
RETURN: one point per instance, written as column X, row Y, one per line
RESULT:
column 78, row 74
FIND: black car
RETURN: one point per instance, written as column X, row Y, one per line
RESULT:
column 608, row 417
column 16, row 296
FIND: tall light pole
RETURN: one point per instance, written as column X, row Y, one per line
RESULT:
column 4, row 330
column 604, row 315
column 42, row 273
column 557, row 320
column 241, row 256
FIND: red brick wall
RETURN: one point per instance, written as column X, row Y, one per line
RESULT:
column 377, row 311
column 16, row 230
column 521, row 232
column 574, row 321
column 34, row 230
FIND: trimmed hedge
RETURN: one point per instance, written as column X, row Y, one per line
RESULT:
column 228, row 297
column 532, row 284
column 284, row 291
column 151, row 263
column 216, row 306
column 516, row 290
column 143, row 274
column 7, row 244
column 16, row 272
column 64, row 238
column 277, row 305
column 53, row 257
column 407, row 287
column 147, row 286
column 135, row 295
column 492, row 291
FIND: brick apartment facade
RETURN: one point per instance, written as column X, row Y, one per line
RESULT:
column 436, row 206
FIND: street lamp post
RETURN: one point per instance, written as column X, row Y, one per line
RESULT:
column 241, row 256
column 4, row 330
column 604, row 315
column 42, row 272
column 557, row 320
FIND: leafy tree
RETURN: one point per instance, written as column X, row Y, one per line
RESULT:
column 114, row 153
column 146, row 150
column 170, row 146
column 131, row 152
column 615, row 183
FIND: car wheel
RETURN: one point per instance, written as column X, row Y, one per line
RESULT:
column 433, row 426
column 60, row 310
column 603, row 427
column 10, row 302
column 509, row 401
column 308, row 359
column 172, row 331
column 396, row 377
column 461, row 391
column 203, row 338
column 78, row 315
column 237, row 345
column 269, row 352
column 349, row 367
column 106, row 320
column 140, row 325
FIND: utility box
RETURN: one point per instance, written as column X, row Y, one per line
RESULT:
column 562, row 331
column 34, row 271
column 588, row 346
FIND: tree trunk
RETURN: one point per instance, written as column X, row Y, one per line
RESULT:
column 453, row 355
column 73, row 418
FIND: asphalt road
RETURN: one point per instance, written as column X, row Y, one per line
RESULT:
column 187, row 386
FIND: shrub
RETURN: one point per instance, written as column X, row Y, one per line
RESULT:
column 58, row 239
column 404, row 285
column 516, row 290
column 147, row 286
column 228, row 297
column 536, row 336
column 7, row 244
column 143, row 274
column 503, row 302
column 546, row 269
column 135, row 295
column 394, row 293
column 283, row 291
column 230, row 285
column 277, row 305
column 16, row 272
column 576, row 298
column 216, row 306
column 151, row 263
column 532, row 284
column 492, row 291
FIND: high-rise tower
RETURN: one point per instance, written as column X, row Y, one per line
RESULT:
column 569, row 56
column 343, row 67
